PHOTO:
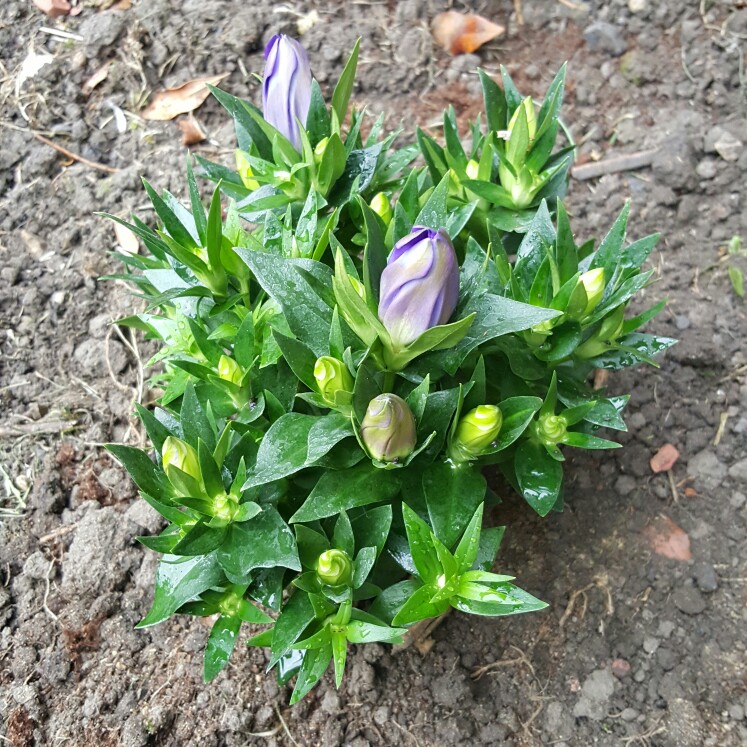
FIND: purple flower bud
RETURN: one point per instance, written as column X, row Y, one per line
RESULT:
column 286, row 91
column 419, row 285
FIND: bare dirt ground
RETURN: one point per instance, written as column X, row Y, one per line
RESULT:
column 635, row 648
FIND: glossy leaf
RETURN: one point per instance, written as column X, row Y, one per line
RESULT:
column 220, row 645
column 539, row 476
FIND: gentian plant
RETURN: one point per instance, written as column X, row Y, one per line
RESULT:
column 347, row 339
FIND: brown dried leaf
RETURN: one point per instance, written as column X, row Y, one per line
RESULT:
column 460, row 33
column 53, row 8
column 192, row 132
column 98, row 77
column 667, row 539
column 126, row 239
column 171, row 102
column 664, row 459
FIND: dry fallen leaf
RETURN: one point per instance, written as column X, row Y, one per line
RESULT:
column 667, row 539
column 192, row 132
column 126, row 239
column 171, row 102
column 53, row 8
column 664, row 459
column 98, row 77
column 459, row 33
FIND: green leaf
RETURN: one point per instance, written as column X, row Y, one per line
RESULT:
column 364, row 562
column 179, row 580
column 374, row 256
column 308, row 316
column 317, row 120
column 516, row 601
column 495, row 102
column 294, row 442
column 737, row 280
column 171, row 222
column 315, row 663
column 220, row 645
column 344, row 87
column 490, row 542
column 611, row 249
column 214, row 233
column 421, row 546
column 539, row 476
column 210, row 471
column 198, row 211
column 371, row 526
column 343, row 538
column 365, row 632
column 299, row 358
column 452, row 494
column 147, row 476
column 201, row 539
column 494, row 316
column 420, row 607
column 418, row 398
column 294, row 618
column 194, row 420
column 311, row 544
column 435, row 214
column 585, row 441
column 340, row 491
column 443, row 336
column 247, row 130
column 469, row 544
column 263, row 542
column 339, row 655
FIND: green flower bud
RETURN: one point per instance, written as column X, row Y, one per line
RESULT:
column 536, row 335
column 332, row 376
column 612, row 325
column 321, row 146
column 334, row 568
column 225, row 508
column 181, row 465
column 229, row 370
column 551, row 428
column 388, row 428
column 358, row 287
column 473, row 169
column 382, row 207
column 475, row 432
column 245, row 170
column 528, row 105
column 586, row 295
column 591, row 348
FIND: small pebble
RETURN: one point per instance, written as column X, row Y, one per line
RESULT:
column 705, row 576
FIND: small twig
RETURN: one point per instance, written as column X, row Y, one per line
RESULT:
column 519, row 12
column 572, row 6
column 406, row 731
column 723, row 418
column 673, row 486
column 37, row 428
column 600, row 582
column 628, row 162
column 62, row 34
column 46, row 594
column 75, row 156
column 284, row 725
column 59, row 532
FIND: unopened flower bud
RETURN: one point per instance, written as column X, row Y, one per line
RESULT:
column 388, row 428
column 334, row 568
column 245, row 171
column 475, row 432
column 358, row 287
column 419, row 285
column 528, row 105
column 382, row 207
column 180, row 463
column 321, row 146
column 286, row 90
column 586, row 295
column 612, row 325
column 229, row 370
column 551, row 428
column 332, row 376
column 473, row 169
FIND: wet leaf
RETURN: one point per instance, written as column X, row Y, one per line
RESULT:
column 667, row 539
column 171, row 102
column 664, row 459
column 460, row 33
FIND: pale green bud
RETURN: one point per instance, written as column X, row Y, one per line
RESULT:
column 358, row 287
column 181, row 465
column 229, row 370
column 551, row 428
column 528, row 105
column 245, row 170
column 473, row 169
column 475, row 432
column 321, row 146
column 382, row 207
column 334, row 568
column 332, row 376
column 612, row 325
column 388, row 428
column 586, row 295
